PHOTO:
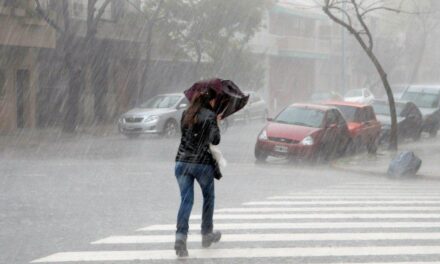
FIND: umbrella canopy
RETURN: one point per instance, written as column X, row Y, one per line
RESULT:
column 230, row 98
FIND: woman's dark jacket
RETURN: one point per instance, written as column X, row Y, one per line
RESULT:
column 194, row 145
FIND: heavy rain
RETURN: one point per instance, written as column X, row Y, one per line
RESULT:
column 118, row 117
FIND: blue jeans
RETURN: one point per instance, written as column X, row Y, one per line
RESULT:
column 185, row 174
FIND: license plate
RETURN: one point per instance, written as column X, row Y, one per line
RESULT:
column 280, row 149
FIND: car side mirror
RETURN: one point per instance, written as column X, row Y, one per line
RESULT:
column 270, row 119
column 182, row 106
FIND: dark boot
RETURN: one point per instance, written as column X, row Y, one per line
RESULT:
column 210, row 238
column 180, row 247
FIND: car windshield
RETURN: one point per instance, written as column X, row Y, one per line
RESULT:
column 382, row 108
column 421, row 99
column 301, row 116
column 354, row 93
column 161, row 101
column 349, row 112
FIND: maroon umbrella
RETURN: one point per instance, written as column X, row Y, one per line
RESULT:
column 230, row 98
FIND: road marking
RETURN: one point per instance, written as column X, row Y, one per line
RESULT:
column 319, row 216
column 380, row 187
column 361, row 202
column 274, row 237
column 296, row 226
column 366, row 193
column 359, row 197
column 413, row 209
column 242, row 253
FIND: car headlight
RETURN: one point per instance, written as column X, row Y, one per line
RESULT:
column 151, row 119
column 307, row 141
column 121, row 120
column 263, row 135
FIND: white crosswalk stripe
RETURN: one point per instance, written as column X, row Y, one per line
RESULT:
column 384, row 222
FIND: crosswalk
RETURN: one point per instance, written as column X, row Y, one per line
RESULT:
column 362, row 222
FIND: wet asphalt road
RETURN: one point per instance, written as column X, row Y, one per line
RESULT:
column 59, row 195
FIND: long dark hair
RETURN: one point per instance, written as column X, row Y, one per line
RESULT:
column 198, row 102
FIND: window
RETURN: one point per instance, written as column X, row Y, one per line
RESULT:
column 301, row 116
column 369, row 114
column 2, row 83
column 331, row 118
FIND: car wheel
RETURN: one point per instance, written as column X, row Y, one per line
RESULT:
column 170, row 129
column 260, row 155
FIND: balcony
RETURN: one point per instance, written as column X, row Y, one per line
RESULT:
column 291, row 46
column 18, row 28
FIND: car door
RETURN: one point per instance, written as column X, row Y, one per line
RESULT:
column 330, row 128
column 370, row 125
column 181, row 106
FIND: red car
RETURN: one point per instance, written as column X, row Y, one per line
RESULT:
column 362, row 124
column 305, row 132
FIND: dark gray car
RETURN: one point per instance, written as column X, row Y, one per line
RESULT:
column 159, row 115
column 409, row 120
column 427, row 98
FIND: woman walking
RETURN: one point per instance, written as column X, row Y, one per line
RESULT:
column 199, row 127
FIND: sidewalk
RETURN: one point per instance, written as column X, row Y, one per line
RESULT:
column 427, row 149
column 29, row 138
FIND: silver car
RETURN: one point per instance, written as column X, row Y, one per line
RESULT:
column 159, row 115
column 256, row 108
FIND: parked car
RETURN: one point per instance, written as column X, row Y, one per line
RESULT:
column 427, row 98
column 398, row 91
column 321, row 96
column 362, row 96
column 256, row 108
column 409, row 120
column 304, row 132
column 159, row 115
column 362, row 124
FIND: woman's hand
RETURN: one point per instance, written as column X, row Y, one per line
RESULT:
column 219, row 117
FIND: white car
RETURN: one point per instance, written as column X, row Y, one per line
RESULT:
column 362, row 96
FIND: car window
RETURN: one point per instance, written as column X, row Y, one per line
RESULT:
column 421, row 99
column 367, row 93
column 302, row 116
column 348, row 112
column 340, row 118
column 161, row 101
column 383, row 108
column 184, row 101
column 369, row 114
column 331, row 118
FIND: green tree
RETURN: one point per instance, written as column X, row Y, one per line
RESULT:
column 215, row 33
column 354, row 19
